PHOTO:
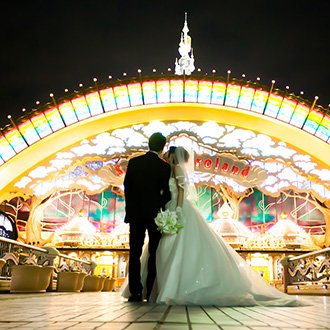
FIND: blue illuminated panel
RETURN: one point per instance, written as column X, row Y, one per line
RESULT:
column 176, row 87
column 323, row 131
column 246, row 97
column 286, row 110
column 191, row 88
column 259, row 101
column 108, row 99
column 313, row 121
column 81, row 108
column 232, row 95
column 149, row 92
column 121, row 96
column 218, row 93
column 54, row 119
column 163, row 91
column 16, row 140
column 29, row 132
column 204, row 91
column 135, row 94
column 6, row 150
column 299, row 116
column 67, row 113
column 41, row 125
column 273, row 105
column 94, row 103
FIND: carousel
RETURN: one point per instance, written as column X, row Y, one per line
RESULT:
column 261, row 164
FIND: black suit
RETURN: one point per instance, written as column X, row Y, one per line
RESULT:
column 146, row 192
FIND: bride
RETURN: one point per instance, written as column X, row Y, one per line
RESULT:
column 196, row 266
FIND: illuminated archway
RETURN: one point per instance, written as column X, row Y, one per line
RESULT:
column 53, row 128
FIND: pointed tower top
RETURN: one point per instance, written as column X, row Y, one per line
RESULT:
column 185, row 29
column 185, row 65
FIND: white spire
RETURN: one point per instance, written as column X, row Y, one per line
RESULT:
column 185, row 65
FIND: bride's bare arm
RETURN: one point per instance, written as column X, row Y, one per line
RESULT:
column 179, row 176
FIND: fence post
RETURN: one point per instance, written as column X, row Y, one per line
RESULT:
column 285, row 276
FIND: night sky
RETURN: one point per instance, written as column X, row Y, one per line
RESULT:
column 47, row 46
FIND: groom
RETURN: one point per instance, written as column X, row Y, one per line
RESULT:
column 146, row 192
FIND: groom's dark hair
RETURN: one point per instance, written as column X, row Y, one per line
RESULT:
column 157, row 142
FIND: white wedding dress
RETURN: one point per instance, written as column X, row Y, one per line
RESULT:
column 197, row 267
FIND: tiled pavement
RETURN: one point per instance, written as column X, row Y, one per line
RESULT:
column 107, row 310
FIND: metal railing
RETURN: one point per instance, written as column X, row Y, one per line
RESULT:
column 17, row 253
column 311, row 268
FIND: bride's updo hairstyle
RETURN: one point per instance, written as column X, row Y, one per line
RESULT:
column 180, row 154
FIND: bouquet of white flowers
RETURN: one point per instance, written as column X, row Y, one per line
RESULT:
column 167, row 222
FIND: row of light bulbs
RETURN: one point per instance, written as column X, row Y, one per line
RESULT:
column 169, row 70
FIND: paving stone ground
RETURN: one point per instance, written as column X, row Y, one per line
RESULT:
column 107, row 310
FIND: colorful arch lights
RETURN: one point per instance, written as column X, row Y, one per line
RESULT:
column 150, row 92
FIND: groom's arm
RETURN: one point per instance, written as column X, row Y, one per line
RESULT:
column 166, row 194
column 127, row 181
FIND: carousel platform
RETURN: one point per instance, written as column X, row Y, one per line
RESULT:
column 107, row 310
